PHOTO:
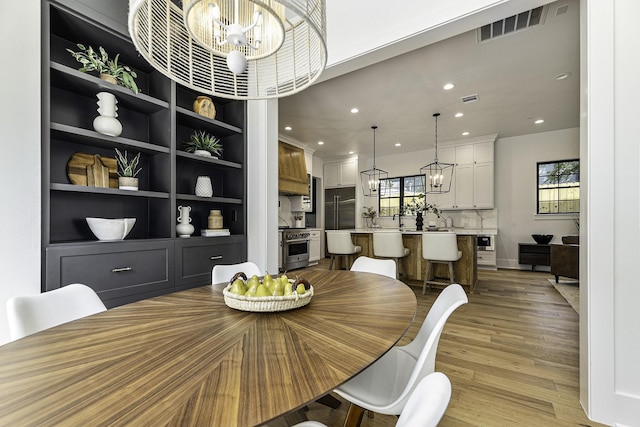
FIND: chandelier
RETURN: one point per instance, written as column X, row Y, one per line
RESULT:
column 237, row 49
column 371, row 177
column 439, row 174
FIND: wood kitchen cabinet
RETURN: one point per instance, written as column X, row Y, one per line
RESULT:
column 152, row 260
column 472, row 186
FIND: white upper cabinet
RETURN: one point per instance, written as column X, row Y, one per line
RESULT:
column 472, row 186
column 340, row 174
column 308, row 160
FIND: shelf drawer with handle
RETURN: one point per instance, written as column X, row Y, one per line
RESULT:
column 120, row 272
column 197, row 256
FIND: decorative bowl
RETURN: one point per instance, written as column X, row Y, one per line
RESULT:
column 542, row 239
column 266, row 304
column 107, row 230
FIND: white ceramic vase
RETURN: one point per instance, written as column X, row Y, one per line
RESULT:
column 106, row 123
column 203, row 187
column 184, row 227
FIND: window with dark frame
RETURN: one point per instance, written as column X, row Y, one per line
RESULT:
column 558, row 187
column 399, row 191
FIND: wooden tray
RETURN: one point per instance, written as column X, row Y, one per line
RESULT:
column 92, row 170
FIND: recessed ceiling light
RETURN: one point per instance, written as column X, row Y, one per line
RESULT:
column 398, row 144
column 562, row 76
column 354, row 110
column 287, row 128
column 539, row 121
column 351, row 152
column 459, row 114
column 448, row 86
column 465, row 133
column 320, row 142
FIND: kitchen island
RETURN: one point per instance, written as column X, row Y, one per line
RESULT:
column 466, row 268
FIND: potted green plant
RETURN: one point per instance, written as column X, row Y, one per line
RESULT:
column 127, row 171
column 108, row 69
column 203, row 144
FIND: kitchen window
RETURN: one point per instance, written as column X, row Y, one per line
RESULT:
column 559, row 187
column 400, row 191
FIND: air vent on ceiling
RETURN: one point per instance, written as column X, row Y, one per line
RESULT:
column 470, row 98
column 512, row 24
column 562, row 10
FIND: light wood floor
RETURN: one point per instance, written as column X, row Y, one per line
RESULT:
column 511, row 355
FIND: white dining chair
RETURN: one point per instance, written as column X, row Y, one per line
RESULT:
column 385, row 267
column 388, row 244
column 339, row 243
column 224, row 272
column 385, row 386
column 425, row 407
column 33, row 313
column 439, row 247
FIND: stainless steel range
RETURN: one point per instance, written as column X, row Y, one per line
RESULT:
column 295, row 248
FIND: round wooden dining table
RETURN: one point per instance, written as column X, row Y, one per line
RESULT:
column 188, row 359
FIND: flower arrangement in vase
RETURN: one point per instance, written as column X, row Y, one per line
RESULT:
column 370, row 216
column 203, row 144
column 108, row 69
column 419, row 206
column 127, row 171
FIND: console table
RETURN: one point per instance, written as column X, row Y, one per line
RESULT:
column 534, row 254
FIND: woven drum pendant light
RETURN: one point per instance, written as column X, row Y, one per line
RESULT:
column 438, row 175
column 371, row 177
column 236, row 49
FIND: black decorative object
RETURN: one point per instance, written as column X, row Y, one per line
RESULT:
column 542, row 239
column 419, row 221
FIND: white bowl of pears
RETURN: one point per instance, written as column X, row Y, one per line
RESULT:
column 267, row 294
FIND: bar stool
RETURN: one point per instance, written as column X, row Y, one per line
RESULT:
column 442, row 248
column 388, row 244
column 339, row 244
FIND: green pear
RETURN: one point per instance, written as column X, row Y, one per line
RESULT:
column 288, row 289
column 238, row 287
column 278, row 289
column 253, row 288
column 262, row 291
column 269, row 283
column 301, row 289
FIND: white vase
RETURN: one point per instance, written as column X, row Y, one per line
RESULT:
column 184, row 227
column 203, row 187
column 106, row 123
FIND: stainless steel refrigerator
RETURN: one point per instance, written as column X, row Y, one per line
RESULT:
column 340, row 208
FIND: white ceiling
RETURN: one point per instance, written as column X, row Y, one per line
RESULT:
column 514, row 77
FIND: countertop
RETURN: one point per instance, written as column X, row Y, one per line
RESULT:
column 457, row 230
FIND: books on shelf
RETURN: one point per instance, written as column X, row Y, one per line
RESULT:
column 208, row 232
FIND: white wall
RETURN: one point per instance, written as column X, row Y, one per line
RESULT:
column 515, row 190
column 20, row 158
column 610, row 147
column 262, row 184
